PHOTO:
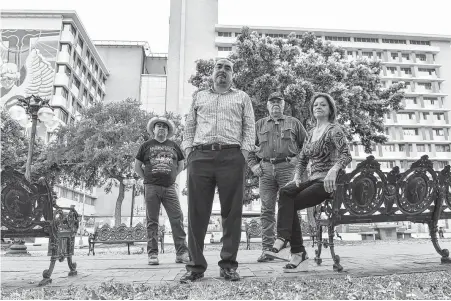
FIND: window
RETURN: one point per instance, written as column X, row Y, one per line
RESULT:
column 410, row 147
column 379, row 55
column 80, row 43
column 76, row 83
column 349, row 53
column 427, row 86
column 224, row 48
column 387, row 164
column 78, row 63
column 277, row 35
column 430, row 100
column 411, row 101
column 367, row 54
column 394, row 56
column 438, row 132
column 92, row 63
column 439, row 164
column 88, row 54
column 427, row 70
column 91, row 99
column 421, row 57
column 366, row 40
column 343, row 39
column 99, row 92
column 414, row 42
column 391, row 70
column 406, row 70
column 96, row 68
column 78, row 108
column 389, row 148
column 406, row 116
column 69, row 27
column 61, row 114
column 410, row 132
column 425, row 116
column 225, row 34
column 405, row 56
column 388, row 115
column 65, row 47
column 402, row 147
column 439, row 116
column 394, row 41
column 443, row 148
column 83, row 72
column 421, row 148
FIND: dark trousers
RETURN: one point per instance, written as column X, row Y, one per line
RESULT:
column 206, row 170
column 292, row 199
column 154, row 196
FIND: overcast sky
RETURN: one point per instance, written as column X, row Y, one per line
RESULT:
column 148, row 20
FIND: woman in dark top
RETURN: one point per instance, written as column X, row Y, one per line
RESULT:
column 327, row 152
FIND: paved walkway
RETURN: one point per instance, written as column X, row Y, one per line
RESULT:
column 357, row 260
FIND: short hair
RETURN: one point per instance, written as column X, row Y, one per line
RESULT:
column 330, row 101
column 224, row 59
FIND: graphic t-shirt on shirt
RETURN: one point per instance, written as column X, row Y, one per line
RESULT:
column 160, row 161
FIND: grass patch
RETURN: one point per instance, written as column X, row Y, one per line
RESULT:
column 435, row 286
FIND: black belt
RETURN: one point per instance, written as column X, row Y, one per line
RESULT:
column 277, row 160
column 216, row 146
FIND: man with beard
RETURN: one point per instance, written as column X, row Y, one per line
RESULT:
column 219, row 133
column 279, row 139
column 163, row 161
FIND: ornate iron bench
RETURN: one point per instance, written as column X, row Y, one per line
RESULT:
column 367, row 195
column 30, row 210
column 253, row 229
column 122, row 234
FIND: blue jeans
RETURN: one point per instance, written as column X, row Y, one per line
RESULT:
column 154, row 196
column 274, row 177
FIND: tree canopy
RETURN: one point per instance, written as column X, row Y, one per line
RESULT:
column 300, row 67
column 100, row 149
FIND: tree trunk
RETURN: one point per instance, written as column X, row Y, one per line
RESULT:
column 120, row 199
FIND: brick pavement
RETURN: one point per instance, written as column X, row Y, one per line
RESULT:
column 357, row 261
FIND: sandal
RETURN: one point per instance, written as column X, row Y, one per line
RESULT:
column 302, row 266
column 283, row 246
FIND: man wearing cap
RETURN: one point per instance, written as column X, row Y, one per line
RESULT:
column 279, row 139
column 163, row 161
column 219, row 133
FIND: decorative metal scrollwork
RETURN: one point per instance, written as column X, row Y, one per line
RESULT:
column 139, row 232
column 363, row 194
column 104, row 233
column 22, row 203
column 445, row 185
column 417, row 187
column 254, row 228
column 121, row 232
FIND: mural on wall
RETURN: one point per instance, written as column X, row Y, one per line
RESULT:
column 27, row 65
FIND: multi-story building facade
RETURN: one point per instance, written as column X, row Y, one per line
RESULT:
column 422, row 62
column 50, row 54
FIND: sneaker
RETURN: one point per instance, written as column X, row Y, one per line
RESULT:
column 191, row 277
column 264, row 257
column 153, row 260
column 229, row 274
column 302, row 266
column 184, row 258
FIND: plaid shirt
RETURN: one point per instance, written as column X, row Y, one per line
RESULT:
column 226, row 118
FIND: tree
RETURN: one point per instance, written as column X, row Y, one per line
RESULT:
column 299, row 67
column 100, row 149
column 14, row 150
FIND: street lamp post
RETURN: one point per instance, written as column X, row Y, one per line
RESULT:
column 38, row 109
